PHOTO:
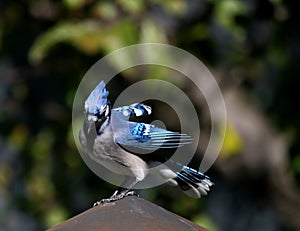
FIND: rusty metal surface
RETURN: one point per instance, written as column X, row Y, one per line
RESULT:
column 131, row 213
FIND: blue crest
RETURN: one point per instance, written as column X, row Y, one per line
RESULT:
column 97, row 100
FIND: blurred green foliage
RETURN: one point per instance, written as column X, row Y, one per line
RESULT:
column 46, row 47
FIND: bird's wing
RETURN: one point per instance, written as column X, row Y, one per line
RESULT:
column 149, row 137
column 136, row 109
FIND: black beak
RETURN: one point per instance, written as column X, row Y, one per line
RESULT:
column 91, row 133
column 91, row 128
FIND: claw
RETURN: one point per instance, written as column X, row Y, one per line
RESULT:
column 116, row 196
column 132, row 193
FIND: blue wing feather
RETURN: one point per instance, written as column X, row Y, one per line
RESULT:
column 140, row 131
column 136, row 109
column 141, row 135
column 150, row 137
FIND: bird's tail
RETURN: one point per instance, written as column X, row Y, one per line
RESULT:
column 192, row 182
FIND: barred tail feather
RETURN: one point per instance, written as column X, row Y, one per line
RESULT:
column 193, row 183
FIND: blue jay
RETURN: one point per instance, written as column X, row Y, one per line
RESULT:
column 126, row 147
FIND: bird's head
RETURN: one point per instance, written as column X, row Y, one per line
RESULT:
column 97, row 107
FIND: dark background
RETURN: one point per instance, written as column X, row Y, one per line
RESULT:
column 252, row 48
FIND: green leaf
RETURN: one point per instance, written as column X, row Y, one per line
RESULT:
column 296, row 164
column 151, row 32
column 105, row 10
column 55, row 216
column 205, row 222
column 89, row 36
column 132, row 6
column 233, row 143
column 176, row 7
column 226, row 12
column 74, row 4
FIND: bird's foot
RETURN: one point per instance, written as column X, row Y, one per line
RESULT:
column 132, row 193
column 117, row 196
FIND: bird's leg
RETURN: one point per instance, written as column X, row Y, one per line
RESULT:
column 127, row 185
column 121, row 192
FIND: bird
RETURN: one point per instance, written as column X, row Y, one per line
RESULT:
column 129, row 148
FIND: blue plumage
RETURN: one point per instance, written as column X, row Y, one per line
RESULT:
column 136, row 109
column 149, row 137
column 97, row 100
column 108, row 136
column 140, row 131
